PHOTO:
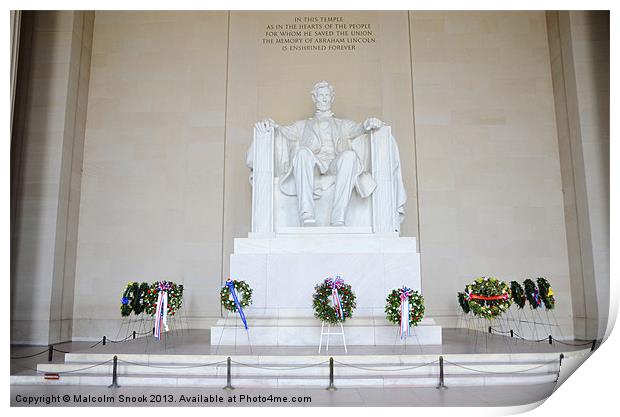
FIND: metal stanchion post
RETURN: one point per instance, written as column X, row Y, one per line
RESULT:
column 441, row 385
column 114, row 374
column 104, row 339
column 50, row 353
column 134, row 334
column 512, row 333
column 229, row 386
column 490, row 330
column 550, row 339
column 559, row 367
column 331, row 386
column 593, row 345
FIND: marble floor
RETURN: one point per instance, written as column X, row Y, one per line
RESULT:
column 354, row 397
column 196, row 342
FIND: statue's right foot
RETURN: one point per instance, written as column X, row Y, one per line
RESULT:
column 307, row 219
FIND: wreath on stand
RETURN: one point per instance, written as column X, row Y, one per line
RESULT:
column 133, row 299
column 546, row 293
column 343, row 295
column 393, row 306
column 175, row 297
column 244, row 295
column 517, row 293
column 488, row 297
column 463, row 303
column 532, row 294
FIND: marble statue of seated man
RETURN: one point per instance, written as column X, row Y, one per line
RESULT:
column 322, row 151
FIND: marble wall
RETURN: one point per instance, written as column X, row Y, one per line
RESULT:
column 579, row 50
column 152, row 187
column 172, row 98
column 48, row 139
column 490, row 190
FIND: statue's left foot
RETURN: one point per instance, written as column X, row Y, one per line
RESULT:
column 337, row 224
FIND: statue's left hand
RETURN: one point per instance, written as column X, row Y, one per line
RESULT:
column 373, row 123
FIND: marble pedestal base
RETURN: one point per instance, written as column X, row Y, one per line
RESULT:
column 283, row 269
column 369, row 331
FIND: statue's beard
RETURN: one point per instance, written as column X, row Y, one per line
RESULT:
column 323, row 107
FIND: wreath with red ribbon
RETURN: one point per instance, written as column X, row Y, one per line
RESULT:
column 487, row 297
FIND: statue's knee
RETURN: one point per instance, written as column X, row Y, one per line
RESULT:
column 348, row 157
column 305, row 153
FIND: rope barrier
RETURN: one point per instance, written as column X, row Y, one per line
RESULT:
column 60, row 351
column 29, row 356
column 279, row 369
column 501, row 373
column 385, row 370
column 65, row 372
column 172, row 366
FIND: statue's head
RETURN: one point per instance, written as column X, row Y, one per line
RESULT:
column 323, row 95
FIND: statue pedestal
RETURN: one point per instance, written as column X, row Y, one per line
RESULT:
column 283, row 270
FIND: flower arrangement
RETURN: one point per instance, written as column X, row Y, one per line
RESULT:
column 546, row 293
column 517, row 293
column 133, row 297
column 175, row 297
column 343, row 300
column 487, row 297
column 242, row 289
column 463, row 303
column 532, row 294
column 393, row 306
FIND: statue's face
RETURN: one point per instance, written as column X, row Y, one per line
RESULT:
column 323, row 99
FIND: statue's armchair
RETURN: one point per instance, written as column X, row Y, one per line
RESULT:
column 273, row 211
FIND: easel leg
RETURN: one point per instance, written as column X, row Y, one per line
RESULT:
column 321, row 337
column 343, row 339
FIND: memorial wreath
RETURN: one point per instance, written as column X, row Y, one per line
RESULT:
column 487, row 297
column 463, row 303
column 174, row 297
column 546, row 293
column 532, row 294
column 133, row 299
column 517, row 294
column 242, row 288
column 342, row 300
column 394, row 301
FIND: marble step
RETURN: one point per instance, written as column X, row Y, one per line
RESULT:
column 288, row 381
column 269, row 370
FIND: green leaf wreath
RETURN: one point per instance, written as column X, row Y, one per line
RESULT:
column 518, row 295
column 133, row 298
column 464, row 304
column 488, row 297
column 244, row 294
column 416, row 307
column 321, row 301
column 546, row 293
column 175, row 297
column 531, row 293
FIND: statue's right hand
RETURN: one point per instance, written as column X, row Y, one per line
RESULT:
column 265, row 126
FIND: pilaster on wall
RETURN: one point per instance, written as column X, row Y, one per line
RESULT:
column 579, row 52
column 47, row 173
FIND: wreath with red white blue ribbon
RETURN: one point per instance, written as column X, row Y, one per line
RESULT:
column 404, row 302
column 333, row 300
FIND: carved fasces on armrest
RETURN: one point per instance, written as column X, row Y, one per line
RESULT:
column 383, row 199
column 261, row 154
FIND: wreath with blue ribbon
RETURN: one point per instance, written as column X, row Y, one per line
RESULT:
column 244, row 294
column 133, row 299
column 342, row 297
column 532, row 294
